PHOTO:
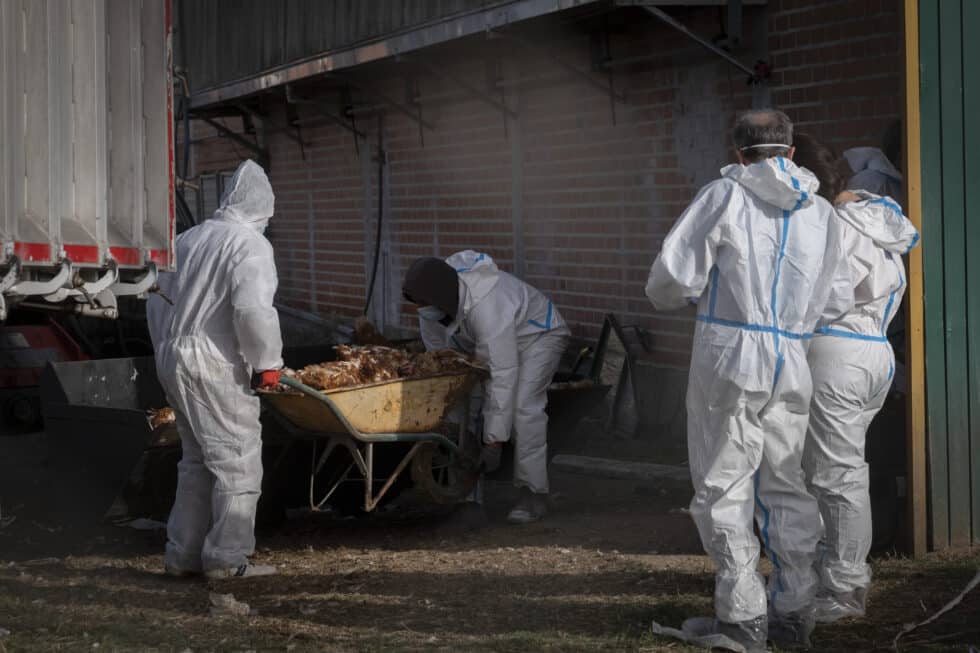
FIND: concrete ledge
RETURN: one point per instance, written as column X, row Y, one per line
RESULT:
column 621, row 469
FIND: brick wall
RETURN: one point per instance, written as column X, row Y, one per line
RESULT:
column 211, row 153
column 573, row 195
column 839, row 67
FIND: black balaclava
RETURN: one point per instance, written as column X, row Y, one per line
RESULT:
column 431, row 281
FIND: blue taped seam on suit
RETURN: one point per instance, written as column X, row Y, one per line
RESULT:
column 891, row 297
column 915, row 241
column 773, row 558
column 547, row 320
column 888, row 203
column 477, row 260
column 840, row 333
column 763, row 328
column 713, row 294
column 888, row 310
column 773, row 303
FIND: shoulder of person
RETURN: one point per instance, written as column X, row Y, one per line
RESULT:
column 820, row 210
column 721, row 186
column 716, row 194
column 246, row 242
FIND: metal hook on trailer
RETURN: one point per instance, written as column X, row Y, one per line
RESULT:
column 8, row 280
column 146, row 283
column 52, row 285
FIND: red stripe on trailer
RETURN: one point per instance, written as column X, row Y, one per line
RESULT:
column 30, row 252
column 160, row 256
column 125, row 255
column 20, row 377
column 83, row 253
column 168, row 261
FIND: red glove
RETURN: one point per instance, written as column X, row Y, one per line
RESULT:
column 266, row 379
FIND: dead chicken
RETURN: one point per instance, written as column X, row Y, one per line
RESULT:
column 327, row 376
column 378, row 364
column 160, row 417
column 365, row 333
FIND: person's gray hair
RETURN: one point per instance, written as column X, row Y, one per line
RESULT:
column 763, row 133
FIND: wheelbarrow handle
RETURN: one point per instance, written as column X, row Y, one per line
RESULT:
column 369, row 437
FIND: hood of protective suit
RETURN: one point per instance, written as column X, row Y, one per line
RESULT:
column 881, row 220
column 478, row 273
column 871, row 158
column 430, row 281
column 248, row 198
column 776, row 181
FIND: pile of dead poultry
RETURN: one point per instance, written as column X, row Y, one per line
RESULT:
column 363, row 365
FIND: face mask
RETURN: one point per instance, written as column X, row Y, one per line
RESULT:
column 431, row 313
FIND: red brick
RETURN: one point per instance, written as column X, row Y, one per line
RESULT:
column 597, row 197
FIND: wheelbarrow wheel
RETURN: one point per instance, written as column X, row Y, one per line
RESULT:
column 441, row 476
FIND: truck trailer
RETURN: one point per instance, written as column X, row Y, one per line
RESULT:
column 86, row 152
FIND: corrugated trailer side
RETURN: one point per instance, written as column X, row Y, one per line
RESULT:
column 86, row 177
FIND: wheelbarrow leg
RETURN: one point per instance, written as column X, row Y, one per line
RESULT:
column 369, row 476
column 476, row 495
column 316, row 466
column 372, row 501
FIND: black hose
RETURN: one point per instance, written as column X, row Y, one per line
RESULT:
column 121, row 339
column 185, row 219
column 377, row 238
column 185, row 87
column 187, row 135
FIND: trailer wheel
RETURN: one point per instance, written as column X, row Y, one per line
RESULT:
column 21, row 413
column 441, row 475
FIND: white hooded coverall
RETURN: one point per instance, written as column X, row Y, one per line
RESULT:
column 852, row 364
column 222, row 327
column 875, row 173
column 521, row 336
column 760, row 254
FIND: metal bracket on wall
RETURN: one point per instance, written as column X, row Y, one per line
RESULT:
column 755, row 75
column 586, row 76
column 413, row 98
column 495, row 75
column 734, row 23
column 262, row 153
column 440, row 71
column 318, row 107
column 292, row 131
column 601, row 46
column 412, row 113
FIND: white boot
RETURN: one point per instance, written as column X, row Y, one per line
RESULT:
column 246, row 570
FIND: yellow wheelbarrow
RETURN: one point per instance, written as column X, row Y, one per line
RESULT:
column 400, row 422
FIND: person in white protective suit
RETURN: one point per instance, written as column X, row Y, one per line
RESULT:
column 467, row 303
column 878, row 171
column 852, row 365
column 220, row 336
column 760, row 255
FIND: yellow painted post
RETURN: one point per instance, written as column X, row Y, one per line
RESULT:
column 915, row 342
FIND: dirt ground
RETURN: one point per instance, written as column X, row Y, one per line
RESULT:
column 612, row 556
